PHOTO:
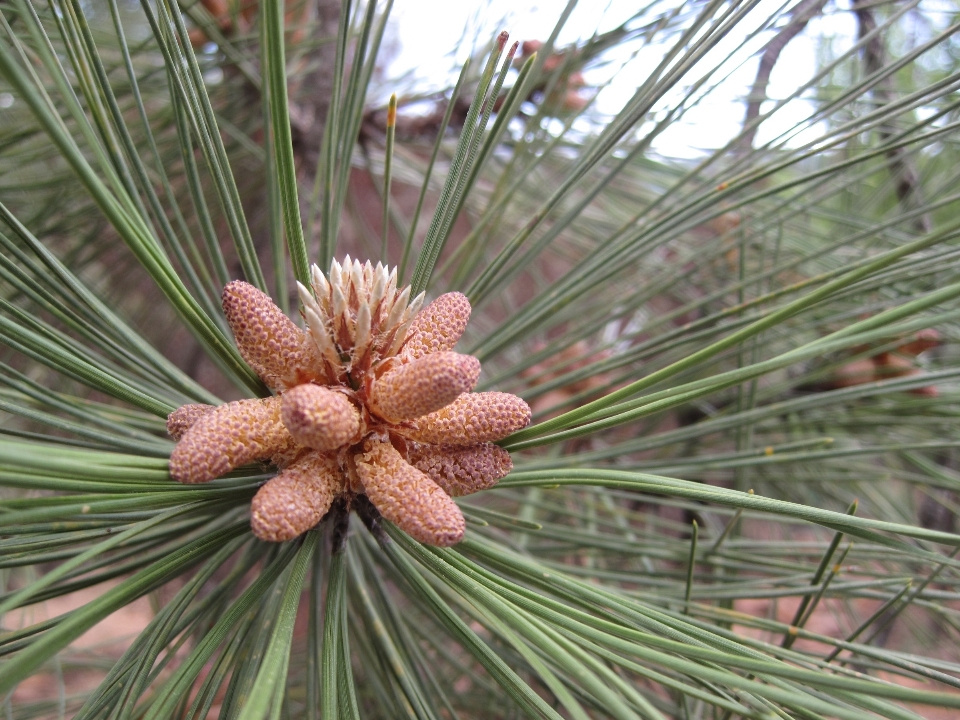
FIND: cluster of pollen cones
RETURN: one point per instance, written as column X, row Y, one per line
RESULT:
column 370, row 400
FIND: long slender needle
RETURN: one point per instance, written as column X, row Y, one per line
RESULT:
column 388, row 172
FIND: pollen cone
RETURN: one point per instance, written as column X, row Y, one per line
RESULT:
column 407, row 497
column 296, row 499
column 277, row 350
column 472, row 418
column 229, row 436
column 319, row 417
column 424, row 385
column 461, row 469
column 183, row 418
column 438, row 326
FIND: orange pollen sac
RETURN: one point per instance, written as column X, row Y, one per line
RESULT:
column 267, row 339
column 184, row 417
column 438, row 326
column 407, row 497
column 229, row 436
column 296, row 499
column 473, row 418
column 461, row 469
column 424, row 385
column 370, row 399
column 318, row 417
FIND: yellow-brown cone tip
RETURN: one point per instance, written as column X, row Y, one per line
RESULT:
column 461, row 469
column 277, row 350
column 229, row 436
column 318, row 417
column 296, row 499
column 472, row 418
column 438, row 326
column 424, row 385
column 183, row 418
column 407, row 497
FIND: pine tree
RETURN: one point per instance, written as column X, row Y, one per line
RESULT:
column 736, row 495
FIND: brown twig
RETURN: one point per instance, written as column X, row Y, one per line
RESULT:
column 799, row 17
column 904, row 173
column 339, row 519
column 370, row 517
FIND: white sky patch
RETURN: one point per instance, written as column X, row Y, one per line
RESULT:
column 433, row 38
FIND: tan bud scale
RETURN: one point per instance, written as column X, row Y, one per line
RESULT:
column 226, row 437
column 407, row 497
column 424, row 385
column 318, row 417
column 473, row 418
column 438, row 326
column 461, row 469
column 183, row 418
column 296, row 499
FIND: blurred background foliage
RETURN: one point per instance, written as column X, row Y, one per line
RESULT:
column 738, row 496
